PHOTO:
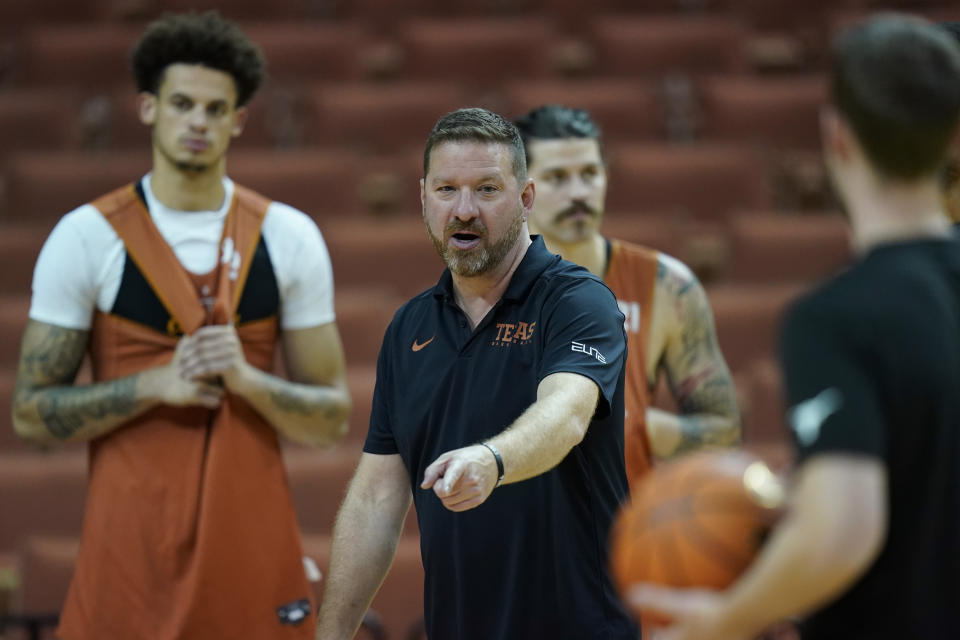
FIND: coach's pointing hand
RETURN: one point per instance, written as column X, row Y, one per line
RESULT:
column 462, row 478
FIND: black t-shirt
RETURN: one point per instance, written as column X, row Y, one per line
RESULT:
column 531, row 561
column 872, row 366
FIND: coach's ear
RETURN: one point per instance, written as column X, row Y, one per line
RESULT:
column 147, row 108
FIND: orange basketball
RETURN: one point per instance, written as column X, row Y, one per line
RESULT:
column 697, row 521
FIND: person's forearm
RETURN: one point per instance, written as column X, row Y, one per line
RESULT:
column 674, row 434
column 820, row 548
column 68, row 414
column 310, row 414
column 544, row 434
column 364, row 542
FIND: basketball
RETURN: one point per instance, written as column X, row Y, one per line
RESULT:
column 697, row 521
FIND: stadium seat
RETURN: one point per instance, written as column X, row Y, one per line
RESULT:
column 382, row 117
column 477, row 50
column 627, row 110
column 41, row 493
column 747, row 318
column 46, row 569
column 706, row 182
column 779, row 247
column 771, row 112
column 90, row 56
column 13, row 317
column 362, row 317
column 39, row 119
column 393, row 253
column 632, row 46
column 19, row 247
column 321, row 183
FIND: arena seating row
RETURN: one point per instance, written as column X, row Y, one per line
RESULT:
column 364, row 117
column 761, row 13
column 698, row 181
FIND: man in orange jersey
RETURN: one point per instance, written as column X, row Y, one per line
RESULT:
column 181, row 286
column 668, row 320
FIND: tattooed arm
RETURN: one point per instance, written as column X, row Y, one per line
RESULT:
column 47, row 407
column 312, row 407
column 696, row 371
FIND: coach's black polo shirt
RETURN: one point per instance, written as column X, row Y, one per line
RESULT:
column 531, row 561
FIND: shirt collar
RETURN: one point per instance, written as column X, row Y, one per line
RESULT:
column 534, row 261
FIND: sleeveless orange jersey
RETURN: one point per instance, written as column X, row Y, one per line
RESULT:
column 189, row 530
column 631, row 275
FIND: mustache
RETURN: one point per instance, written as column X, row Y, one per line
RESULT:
column 575, row 208
column 459, row 226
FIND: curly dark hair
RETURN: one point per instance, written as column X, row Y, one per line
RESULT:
column 197, row 38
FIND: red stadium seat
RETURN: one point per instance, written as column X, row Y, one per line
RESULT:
column 625, row 110
column 771, row 248
column 632, row 45
column 748, row 320
column 321, row 183
column 41, row 493
column 46, row 568
column 476, row 50
column 361, row 246
column 362, row 317
column 383, row 117
column 706, row 182
column 39, row 119
column 88, row 56
column 771, row 112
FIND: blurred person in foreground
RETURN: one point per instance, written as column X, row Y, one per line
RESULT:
column 181, row 286
column 498, row 410
column 871, row 545
column 669, row 323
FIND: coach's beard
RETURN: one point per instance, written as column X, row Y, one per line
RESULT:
column 482, row 258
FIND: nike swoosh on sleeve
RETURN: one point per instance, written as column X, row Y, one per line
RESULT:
column 807, row 417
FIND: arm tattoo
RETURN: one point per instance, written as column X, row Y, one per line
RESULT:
column 291, row 401
column 54, row 355
column 66, row 410
column 698, row 375
column 49, row 364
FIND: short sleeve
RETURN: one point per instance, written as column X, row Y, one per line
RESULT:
column 302, row 266
column 834, row 404
column 64, row 289
column 585, row 335
column 380, row 439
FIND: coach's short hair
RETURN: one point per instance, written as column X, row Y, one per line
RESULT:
column 896, row 80
column 197, row 38
column 478, row 125
column 555, row 122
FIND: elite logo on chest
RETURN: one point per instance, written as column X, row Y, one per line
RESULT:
column 510, row 333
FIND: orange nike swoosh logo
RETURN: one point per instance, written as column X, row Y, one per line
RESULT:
column 417, row 346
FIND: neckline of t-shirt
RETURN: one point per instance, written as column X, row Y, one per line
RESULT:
column 157, row 208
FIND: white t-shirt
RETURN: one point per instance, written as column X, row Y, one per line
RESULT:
column 81, row 264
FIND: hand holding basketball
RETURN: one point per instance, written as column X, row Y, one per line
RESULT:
column 696, row 522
